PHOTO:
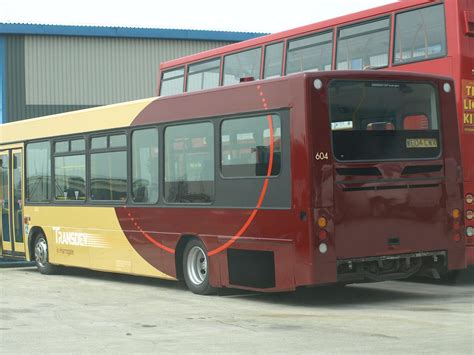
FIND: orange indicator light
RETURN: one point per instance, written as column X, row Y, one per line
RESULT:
column 322, row 222
column 456, row 213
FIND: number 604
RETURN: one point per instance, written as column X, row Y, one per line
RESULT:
column 321, row 156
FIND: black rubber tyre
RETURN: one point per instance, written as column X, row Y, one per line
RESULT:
column 42, row 256
column 196, row 268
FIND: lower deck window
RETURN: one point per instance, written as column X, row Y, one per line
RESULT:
column 109, row 176
column 189, row 163
column 245, row 146
column 70, row 178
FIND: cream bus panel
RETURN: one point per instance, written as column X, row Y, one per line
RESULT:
column 74, row 242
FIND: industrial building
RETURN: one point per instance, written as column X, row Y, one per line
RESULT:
column 48, row 69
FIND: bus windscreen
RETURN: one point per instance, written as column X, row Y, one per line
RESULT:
column 375, row 120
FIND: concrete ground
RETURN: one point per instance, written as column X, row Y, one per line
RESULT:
column 83, row 311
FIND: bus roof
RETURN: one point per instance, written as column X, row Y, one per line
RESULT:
column 73, row 122
column 385, row 9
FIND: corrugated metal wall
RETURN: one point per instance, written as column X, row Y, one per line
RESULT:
column 51, row 74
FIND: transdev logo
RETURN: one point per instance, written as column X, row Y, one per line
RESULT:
column 79, row 239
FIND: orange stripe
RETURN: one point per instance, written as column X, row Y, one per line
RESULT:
column 260, row 199
column 252, row 216
column 158, row 244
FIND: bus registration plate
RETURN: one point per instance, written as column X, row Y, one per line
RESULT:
column 422, row 143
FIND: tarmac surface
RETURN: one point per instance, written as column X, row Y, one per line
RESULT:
column 81, row 311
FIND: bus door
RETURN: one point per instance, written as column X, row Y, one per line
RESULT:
column 11, row 203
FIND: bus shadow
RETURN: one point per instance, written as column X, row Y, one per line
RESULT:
column 329, row 296
column 321, row 296
column 115, row 277
column 460, row 278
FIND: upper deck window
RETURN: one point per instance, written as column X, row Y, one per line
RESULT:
column 204, row 75
column 273, row 60
column 240, row 65
column 420, row 35
column 384, row 120
column 172, row 82
column 310, row 53
column 364, row 45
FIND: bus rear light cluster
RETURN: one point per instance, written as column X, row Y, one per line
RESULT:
column 323, row 235
column 322, row 222
column 456, row 214
column 470, row 215
column 456, row 226
column 469, row 199
column 323, row 248
column 470, row 231
column 456, row 222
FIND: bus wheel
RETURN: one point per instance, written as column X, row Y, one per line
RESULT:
column 42, row 257
column 196, row 268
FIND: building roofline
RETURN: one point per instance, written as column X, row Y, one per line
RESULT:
column 124, row 32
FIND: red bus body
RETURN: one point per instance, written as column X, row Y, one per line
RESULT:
column 320, row 188
column 457, row 62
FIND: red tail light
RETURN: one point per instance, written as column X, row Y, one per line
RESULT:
column 322, row 235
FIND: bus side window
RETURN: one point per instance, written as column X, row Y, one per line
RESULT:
column 38, row 172
column 241, row 65
column 172, row 82
column 420, row 35
column 189, row 163
column 363, row 46
column 204, row 75
column 70, row 170
column 145, row 166
column 108, row 168
column 273, row 60
column 312, row 52
column 245, row 146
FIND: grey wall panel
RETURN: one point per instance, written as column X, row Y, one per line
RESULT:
column 45, row 110
column 15, row 78
column 89, row 71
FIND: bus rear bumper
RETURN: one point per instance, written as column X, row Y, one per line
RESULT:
column 390, row 267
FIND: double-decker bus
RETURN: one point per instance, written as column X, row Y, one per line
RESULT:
column 428, row 36
column 303, row 180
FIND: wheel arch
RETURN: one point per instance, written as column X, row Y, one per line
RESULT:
column 179, row 252
column 34, row 233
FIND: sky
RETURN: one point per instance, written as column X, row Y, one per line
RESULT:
column 238, row 15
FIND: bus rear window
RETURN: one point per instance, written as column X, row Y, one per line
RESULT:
column 384, row 120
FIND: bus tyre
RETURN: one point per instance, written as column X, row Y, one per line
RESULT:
column 196, row 268
column 42, row 256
